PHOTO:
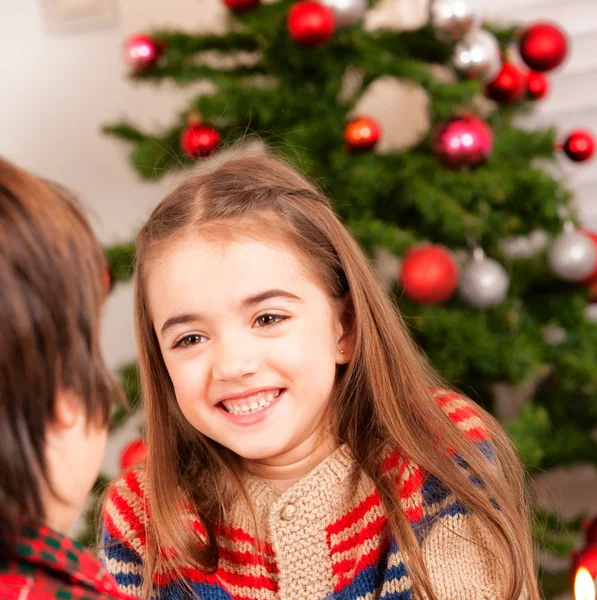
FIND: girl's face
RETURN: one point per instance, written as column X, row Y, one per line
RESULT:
column 250, row 340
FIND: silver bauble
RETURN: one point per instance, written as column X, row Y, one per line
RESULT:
column 451, row 19
column 572, row 255
column 477, row 55
column 347, row 12
column 483, row 281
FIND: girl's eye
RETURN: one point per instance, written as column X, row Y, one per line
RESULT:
column 189, row 340
column 269, row 320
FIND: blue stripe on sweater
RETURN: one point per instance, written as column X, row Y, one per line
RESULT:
column 373, row 577
column 115, row 549
column 205, row 591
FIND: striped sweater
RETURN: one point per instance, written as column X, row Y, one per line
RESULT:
column 326, row 537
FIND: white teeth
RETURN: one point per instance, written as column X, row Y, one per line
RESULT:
column 258, row 402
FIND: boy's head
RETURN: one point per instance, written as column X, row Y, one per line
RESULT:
column 55, row 390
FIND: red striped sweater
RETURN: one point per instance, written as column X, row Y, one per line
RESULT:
column 323, row 537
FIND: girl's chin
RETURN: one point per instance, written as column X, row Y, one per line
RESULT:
column 260, row 452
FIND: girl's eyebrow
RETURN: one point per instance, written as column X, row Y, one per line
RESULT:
column 246, row 303
column 178, row 320
column 268, row 295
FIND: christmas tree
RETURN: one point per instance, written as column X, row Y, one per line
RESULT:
column 492, row 272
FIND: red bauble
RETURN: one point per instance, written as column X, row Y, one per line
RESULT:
column 463, row 142
column 579, row 145
column 537, row 85
column 362, row 133
column 508, row 86
column 133, row 453
column 199, row 140
column 239, row 6
column 141, row 51
column 310, row 23
column 429, row 275
column 543, row 47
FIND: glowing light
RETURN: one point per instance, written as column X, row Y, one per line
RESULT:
column 584, row 586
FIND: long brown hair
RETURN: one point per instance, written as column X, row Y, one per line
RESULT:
column 51, row 292
column 382, row 396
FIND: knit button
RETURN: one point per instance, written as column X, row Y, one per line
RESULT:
column 288, row 512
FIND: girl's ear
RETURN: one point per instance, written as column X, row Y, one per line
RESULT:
column 345, row 330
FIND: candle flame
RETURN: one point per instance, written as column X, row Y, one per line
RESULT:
column 584, row 586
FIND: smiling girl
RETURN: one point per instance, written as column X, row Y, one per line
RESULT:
column 299, row 445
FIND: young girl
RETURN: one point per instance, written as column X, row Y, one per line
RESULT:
column 55, row 390
column 299, row 446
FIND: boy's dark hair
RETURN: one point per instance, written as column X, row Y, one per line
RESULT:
column 51, row 291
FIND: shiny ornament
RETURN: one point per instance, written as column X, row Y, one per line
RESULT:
column 133, row 453
column 141, row 52
column 310, row 23
column 429, row 275
column 508, row 86
column 463, row 142
column 239, row 6
column 537, row 85
column 451, row 19
column 579, row 146
column 572, row 256
column 347, row 13
column 199, row 140
column 483, row 281
column 362, row 133
column 543, row 47
column 477, row 56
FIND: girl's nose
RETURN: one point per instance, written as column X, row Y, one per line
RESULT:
column 234, row 360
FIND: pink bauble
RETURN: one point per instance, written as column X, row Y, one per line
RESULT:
column 141, row 52
column 463, row 142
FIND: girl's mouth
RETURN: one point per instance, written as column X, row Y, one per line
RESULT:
column 251, row 404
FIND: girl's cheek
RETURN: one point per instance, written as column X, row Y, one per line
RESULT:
column 186, row 378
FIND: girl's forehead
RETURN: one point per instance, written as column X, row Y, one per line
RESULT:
column 206, row 266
